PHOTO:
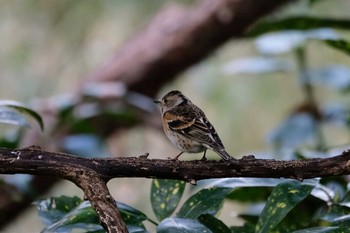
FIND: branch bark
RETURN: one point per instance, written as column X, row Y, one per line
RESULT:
column 92, row 174
column 176, row 39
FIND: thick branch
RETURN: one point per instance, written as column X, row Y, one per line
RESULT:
column 91, row 174
column 177, row 38
column 91, row 182
column 38, row 162
column 96, row 191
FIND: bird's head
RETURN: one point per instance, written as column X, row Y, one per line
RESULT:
column 171, row 100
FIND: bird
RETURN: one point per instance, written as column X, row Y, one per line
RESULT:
column 187, row 127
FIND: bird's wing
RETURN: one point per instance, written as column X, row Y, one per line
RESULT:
column 194, row 127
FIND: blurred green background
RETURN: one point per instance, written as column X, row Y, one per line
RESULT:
column 47, row 47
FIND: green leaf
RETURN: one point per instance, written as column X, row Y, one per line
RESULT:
column 64, row 214
column 13, row 112
column 324, row 230
column 10, row 141
column 338, row 215
column 165, row 196
column 213, row 224
column 83, row 217
column 206, row 201
column 252, row 216
column 283, row 198
column 311, row 2
column 246, row 228
column 257, row 65
column 54, row 208
column 135, row 229
column 130, row 215
column 342, row 45
column 13, row 117
column 282, row 42
column 181, row 225
column 301, row 216
column 250, row 194
column 343, row 221
column 298, row 23
column 249, row 182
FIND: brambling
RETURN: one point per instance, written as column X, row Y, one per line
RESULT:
column 187, row 127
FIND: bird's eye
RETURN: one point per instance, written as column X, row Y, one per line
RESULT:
column 165, row 101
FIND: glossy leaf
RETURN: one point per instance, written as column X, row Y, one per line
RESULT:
column 257, row 65
column 206, row 201
column 240, row 182
column 13, row 112
column 251, row 218
column 13, row 117
column 251, row 194
column 54, row 208
column 136, row 229
column 343, row 221
column 181, row 225
column 283, row 198
column 246, row 228
column 323, row 193
column 298, row 23
column 165, row 196
column 323, row 230
column 342, row 45
column 130, row 215
column 213, row 224
column 66, row 214
column 10, row 141
column 83, row 217
column 336, row 214
column 249, row 182
column 311, row 2
column 288, row 41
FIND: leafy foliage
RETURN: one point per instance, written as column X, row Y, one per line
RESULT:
column 13, row 112
column 197, row 214
column 165, row 196
column 283, row 198
column 342, row 45
column 68, row 214
column 298, row 23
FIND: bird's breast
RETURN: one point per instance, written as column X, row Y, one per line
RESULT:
column 183, row 143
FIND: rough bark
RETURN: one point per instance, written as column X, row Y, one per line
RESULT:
column 91, row 174
column 174, row 40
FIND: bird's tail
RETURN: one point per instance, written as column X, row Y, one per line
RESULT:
column 224, row 155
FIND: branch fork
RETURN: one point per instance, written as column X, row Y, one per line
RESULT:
column 92, row 174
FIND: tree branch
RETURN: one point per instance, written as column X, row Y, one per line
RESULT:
column 91, row 174
column 177, row 38
column 173, row 41
column 96, row 191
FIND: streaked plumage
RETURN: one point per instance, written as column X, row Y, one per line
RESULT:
column 187, row 127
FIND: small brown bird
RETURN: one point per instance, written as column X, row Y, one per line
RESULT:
column 187, row 127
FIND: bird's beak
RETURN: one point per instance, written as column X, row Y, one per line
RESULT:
column 156, row 101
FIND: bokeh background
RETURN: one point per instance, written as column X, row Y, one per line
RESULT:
column 49, row 47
